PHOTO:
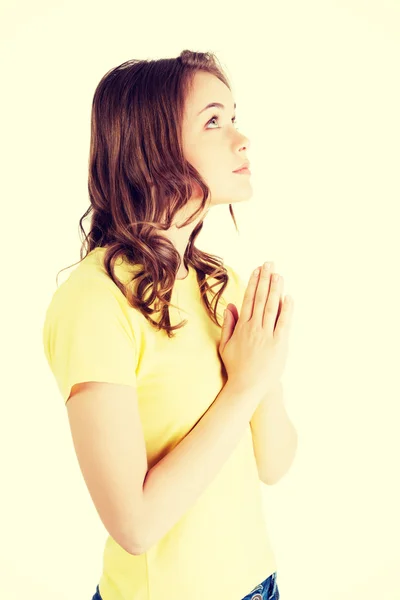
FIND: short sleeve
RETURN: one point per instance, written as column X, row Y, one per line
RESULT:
column 88, row 336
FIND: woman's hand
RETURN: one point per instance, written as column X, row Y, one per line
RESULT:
column 232, row 313
column 254, row 344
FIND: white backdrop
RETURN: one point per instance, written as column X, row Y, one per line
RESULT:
column 318, row 93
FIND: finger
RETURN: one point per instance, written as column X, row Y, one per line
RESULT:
column 272, row 304
column 225, row 331
column 285, row 318
column 248, row 298
column 262, row 294
column 234, row 311
column 279, row 308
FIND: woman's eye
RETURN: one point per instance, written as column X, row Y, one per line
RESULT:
column 216, row 117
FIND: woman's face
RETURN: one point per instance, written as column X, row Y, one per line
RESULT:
column 215, row 148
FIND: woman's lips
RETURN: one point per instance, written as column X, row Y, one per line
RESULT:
column 245, row 171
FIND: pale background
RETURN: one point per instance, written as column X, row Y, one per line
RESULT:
column 317, row 89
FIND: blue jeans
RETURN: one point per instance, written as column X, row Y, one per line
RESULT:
column 267, row 590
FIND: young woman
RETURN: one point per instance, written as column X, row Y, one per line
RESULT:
column 160, row 408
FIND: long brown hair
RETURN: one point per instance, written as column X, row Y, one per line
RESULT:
column 139, row 179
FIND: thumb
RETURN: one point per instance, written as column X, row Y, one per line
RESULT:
column 226, row 332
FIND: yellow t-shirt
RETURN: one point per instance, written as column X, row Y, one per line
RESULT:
column 220, row 548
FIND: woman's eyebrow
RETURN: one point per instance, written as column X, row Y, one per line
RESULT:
column 216, row 104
